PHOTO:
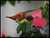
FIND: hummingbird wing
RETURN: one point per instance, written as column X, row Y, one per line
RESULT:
column 38, row 14
column 33, row 13
column 17, row 17
column 12, row 17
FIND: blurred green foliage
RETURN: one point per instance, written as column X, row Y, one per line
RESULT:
column 24, row 27
column 12, row 2
column 28, row 1
column 45, row 11
column 8, row 36
column 2, row 3
column 28, row 30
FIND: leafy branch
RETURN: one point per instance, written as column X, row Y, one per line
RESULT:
column 24, row 27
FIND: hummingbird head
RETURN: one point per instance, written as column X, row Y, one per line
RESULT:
column 18, row 17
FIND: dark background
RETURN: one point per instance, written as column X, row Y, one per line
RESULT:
column 0, row 21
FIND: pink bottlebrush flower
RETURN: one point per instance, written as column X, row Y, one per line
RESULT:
column 3, row 34
column 39, row 22
column 38, row 14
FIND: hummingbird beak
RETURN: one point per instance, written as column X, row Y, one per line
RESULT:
column 9, row 17
column 12, row 19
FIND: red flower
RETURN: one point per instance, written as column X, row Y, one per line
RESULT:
column 39, row 22
column 3, row 34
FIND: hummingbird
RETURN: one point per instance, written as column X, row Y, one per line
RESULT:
column 22, row 15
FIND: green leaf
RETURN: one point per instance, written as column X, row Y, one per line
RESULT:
column 2, row 3
column 31, row 34
column 22, row 35
column 43, row 12
column 47, row 16
column 12, row 2
column 37, row 34
column 24, row 27
column 26, row 21
column 8, row 37
column 28, row 34
column 41, row 7
column 20, row 22
column 25, row 34
column 19, row 28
